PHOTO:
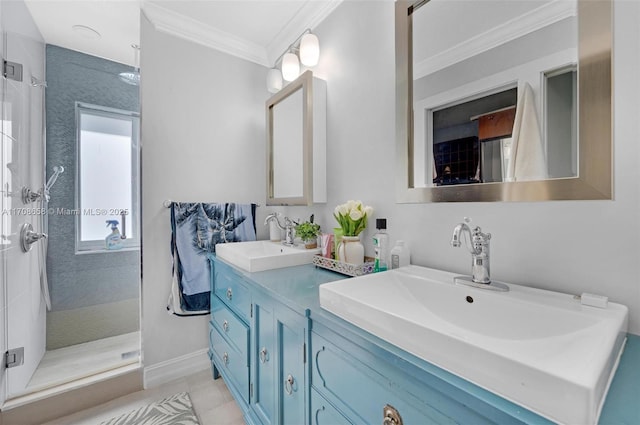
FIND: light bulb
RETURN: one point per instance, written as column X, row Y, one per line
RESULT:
column 274, row 80
column 290, row 66
column 309, row 50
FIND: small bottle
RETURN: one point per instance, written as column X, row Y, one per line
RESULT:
column 113, row 239
column 399, row 255
column 381, row 246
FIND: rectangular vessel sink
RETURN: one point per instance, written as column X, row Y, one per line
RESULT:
column 540, row 349
column 256, row 256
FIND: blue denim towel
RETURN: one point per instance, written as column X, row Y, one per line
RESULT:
column 196, row 229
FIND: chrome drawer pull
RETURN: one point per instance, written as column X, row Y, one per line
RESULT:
column 225, row 326
column 229, row 294
column 225, row 358
column 263, row 355
column 288, row 384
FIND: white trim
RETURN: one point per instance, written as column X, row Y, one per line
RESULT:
column 309, row 16
column 175, row 368
column 181, row 26
column 510, row 30
column 84, row 246
column 176, row 24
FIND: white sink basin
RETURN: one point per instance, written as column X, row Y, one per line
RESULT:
column 540, row 349
column 257, row 256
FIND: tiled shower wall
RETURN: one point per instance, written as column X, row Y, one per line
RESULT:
column 93, row 295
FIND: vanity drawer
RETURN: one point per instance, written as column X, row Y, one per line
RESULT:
column 360, row 384
column 229, row 287
column 230, row 362
column 229, row 325
column 323, row 412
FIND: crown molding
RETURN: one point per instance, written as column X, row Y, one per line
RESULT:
column 181, row 26
column 534, row 20
column 309, row 16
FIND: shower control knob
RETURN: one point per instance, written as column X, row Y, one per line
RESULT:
column 29, row 237
column 29, row 196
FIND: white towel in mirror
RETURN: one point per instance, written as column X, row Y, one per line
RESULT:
column 527, row 160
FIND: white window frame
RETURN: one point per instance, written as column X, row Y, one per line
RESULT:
column 133, row 217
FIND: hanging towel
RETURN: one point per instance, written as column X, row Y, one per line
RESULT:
column 196, row 228
column 527, row 159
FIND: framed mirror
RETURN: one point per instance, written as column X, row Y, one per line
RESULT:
column 503, row 101
column 296, row 140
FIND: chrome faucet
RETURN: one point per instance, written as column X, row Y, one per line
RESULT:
column 289, row 227
column 479, row 248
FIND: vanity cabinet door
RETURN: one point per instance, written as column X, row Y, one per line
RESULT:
column 263, row 347
column 292, row 385
column 278, row 363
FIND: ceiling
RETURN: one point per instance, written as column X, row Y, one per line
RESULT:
column 255, row 30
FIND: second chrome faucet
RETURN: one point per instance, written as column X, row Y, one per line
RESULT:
column 478, row 246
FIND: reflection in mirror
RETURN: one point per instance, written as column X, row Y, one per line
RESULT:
column 487, row 103
column 296, row 143
column 287, row 146
column 480, row 91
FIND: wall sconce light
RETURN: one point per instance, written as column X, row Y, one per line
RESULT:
column 308, row 47
column 290, row 66
column 274, row 80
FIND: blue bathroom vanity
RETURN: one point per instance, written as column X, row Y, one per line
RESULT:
column 288, row 361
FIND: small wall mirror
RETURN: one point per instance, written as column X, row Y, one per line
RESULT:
column 503, row 101
column 296, row 140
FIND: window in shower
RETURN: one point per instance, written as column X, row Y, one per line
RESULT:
column 107, row 176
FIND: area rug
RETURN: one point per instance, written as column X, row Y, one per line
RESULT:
column 174, row 410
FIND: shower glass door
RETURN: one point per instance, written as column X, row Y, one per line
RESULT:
column 23, row 318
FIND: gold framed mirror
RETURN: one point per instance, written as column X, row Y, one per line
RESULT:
column 592, row 176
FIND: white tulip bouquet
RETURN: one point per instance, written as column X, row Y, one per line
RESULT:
column 352, row 217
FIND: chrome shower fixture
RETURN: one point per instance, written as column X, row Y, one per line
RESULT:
column 57, row 170
column 29, row 237
column 29, row 196
column 132, row 78
column 38, row 83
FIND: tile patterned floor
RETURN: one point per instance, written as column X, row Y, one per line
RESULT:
column 211, row 400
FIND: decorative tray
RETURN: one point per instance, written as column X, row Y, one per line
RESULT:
column 344, row 268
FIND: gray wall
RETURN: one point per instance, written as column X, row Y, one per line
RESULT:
column 203, row 141
column 78, row 282
column 566, row 246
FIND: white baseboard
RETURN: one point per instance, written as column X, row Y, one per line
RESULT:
column 176, row 368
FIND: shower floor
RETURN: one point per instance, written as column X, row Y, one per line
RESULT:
column 79, row 361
